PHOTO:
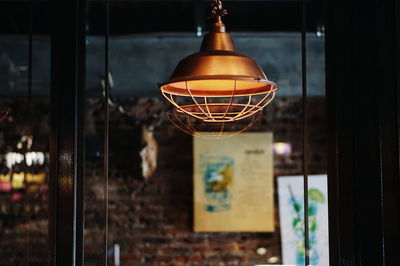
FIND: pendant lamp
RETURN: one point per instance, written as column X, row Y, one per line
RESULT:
column 218, row 84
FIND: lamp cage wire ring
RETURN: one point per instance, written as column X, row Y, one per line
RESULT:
column 220, row 111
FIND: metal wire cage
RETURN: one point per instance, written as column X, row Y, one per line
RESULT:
column 219, row 106
column 217, row 130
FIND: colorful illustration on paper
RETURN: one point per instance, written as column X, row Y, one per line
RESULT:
column 233, row 185
column 218, row 178
column 291, row 204
column 315, row 197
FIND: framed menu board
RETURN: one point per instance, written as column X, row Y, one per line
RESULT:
column 233, row 184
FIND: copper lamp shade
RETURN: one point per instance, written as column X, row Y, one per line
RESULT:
column 221, row 84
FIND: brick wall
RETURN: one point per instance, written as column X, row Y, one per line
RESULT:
column 23, row 214
column 152, row 221
column 153, row 224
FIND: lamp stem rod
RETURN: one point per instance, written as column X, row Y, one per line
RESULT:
column 106, row 126
column 30, row 55
column 305, row 127
column 30, row 49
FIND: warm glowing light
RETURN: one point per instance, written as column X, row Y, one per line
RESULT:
column 216, row 88
column 13, row 158
column 282, row 148
column 5, row 178
column 36, row 178
column 5, row 182
column 31, row 158
column 262, row 251
column 34, row 158
column 217, row 101
column 18, row 180
column 16, row 196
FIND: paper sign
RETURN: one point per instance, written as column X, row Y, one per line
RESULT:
column 233, row 184
column 291, row 216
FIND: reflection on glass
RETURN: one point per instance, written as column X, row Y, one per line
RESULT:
column 282, row 148
column 24, row 133
column 150, row 217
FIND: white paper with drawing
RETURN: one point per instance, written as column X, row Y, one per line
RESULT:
column 233, row 184
column 291, row 216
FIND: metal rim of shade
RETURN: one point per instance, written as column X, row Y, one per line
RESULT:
column 215, row 110
column 260, row 86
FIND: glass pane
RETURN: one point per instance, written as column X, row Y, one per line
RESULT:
column 94, row 211
column 24, row 150
column 173, row 199
column 154, row 186
column 317, row 150
column 152, row 219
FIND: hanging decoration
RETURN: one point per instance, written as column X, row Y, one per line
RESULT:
column 218, row 84
column 144, row 116
column 3, row 113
